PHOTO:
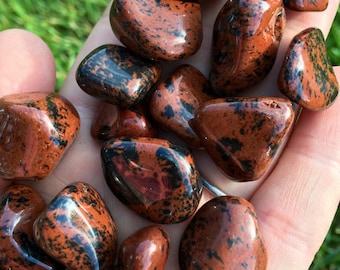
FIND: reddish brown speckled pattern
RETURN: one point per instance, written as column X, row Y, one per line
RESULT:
column 77, row 229
column 146, row 249
column 159, row 30
column 246, row 38
column 112, row 122
column 307, row 76
column 19, row 207
column 244, row 135
column 114, row 74
column 224, row 234
column 176, row 99
column 153, row 177
column 306, row 5
column 35, row 131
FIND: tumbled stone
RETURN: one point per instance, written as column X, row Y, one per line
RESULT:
column 19, row 207
column 244, row 136
column 114, row 74
column 77, row 229
column 306, row 5
column 153, row 177
column 35, row 131
column 224, row 234
column 146, row 249
column 113, row 121
column 247, row 34
column 161, row 30
column 176, row 99
column 307, row 76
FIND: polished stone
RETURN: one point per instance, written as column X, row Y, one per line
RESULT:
column 115, row 74
column 153, row 177
column 158, row 30
column 77, row 229
column 176, row 99
column 247, row 34
column 244, row 136
column 35, row 131
column 146, row 249
column 306, row 5
column 307, row 76
column 224, row 234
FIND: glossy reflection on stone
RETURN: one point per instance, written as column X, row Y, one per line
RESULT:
column 306, row 5
column 161, row 30
column 77, row 229
column 19, row 207
column 307, row 76
column 153, row 177
column 113, row 121
column 176, row 99
column 146, row 249
column 35, row 131
column 244, row 136
column 224, row 234
column 115, row 74
column 247, row 34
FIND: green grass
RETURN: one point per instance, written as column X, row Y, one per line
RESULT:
column 65, row 24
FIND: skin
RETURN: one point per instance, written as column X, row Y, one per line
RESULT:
column 295, row 203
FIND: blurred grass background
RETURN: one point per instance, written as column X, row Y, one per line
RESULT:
column 65, row 25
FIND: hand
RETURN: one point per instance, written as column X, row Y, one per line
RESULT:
column 295, row 203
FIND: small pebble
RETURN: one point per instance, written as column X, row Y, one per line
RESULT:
column 307, row 76
column 146, row 249
column 224, row 234
column 158, row 30
column 19, row 207
column 153, row 177
column 306, row 5
column 116, row 75
column 244, row 136
column 247, row 34
column 77, row 229
column 176, row 99
column 35, row 131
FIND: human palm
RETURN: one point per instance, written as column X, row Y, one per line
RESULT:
column 295, row 204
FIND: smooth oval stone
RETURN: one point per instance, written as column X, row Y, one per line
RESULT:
column 161, row 30
column 307, row 76
column 244, row 136
column 246, row 34
column 77, row 229
column 19, row 207
column 115, row 74
column 113, row 121
column 146, row 249
column 176, row 99
column 224, row 234
column 306, row 5
column 35, row 131
column 153, row 177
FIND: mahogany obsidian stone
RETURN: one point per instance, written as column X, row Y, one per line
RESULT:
column 117, row 75
column 244, row 136
column 223, row 234
column 153, row 177
column 158, row 30
column 306, row 5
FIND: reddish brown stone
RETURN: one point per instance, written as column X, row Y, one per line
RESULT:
column 153, row 177
column 35, row 131
column 176, row 99
column 306, row 5
column 224, row 234
column 146, row 249
column 307, row 76
column 77, row 229
column 158, row 30
column 244, row 136
column 247, row 34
